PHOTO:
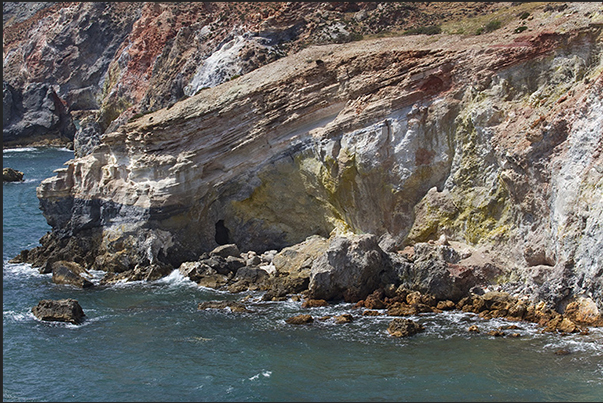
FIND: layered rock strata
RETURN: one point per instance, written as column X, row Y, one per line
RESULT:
column 494, row 141
column 109, row 62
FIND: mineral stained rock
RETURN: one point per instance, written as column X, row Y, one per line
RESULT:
column 492, row 140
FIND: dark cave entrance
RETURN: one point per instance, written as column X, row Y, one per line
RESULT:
column 222, row 233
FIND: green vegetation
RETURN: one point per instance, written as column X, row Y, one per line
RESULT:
column 520, row 29
column 429, row 30
column 489, row 27
column 506, row 15
column 354, row 36
column 524, row 15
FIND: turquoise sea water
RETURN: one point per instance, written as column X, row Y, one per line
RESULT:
column 148, row 342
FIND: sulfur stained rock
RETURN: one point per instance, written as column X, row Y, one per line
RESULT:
column 399, row 137
column 584, row 311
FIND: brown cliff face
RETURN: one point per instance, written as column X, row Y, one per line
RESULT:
column 493, row 140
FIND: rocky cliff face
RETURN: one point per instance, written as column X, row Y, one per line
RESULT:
column 492, row 140
column 107, row 62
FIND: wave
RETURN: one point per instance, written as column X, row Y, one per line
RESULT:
column 30, row 149
column 17, row 317
column 264, row 373
column 21, row 269
column 175, row 278
column 19, row 150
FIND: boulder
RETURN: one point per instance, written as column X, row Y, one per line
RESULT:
column 404, row 327
column 350, row 269
column 140, row 272
column 436, row 272
column 249, row 278
column 64, row 272
column 583, row 311
column 226, row 250
column 291, row 266
column 375, row 300
column 343, row 318
column 63, row 310
column 302, row 319
column 314, row 303
column 11, row 175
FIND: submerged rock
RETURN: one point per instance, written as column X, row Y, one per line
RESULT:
column 63, row 310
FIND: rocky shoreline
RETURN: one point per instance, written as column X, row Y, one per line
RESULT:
column 430, row 277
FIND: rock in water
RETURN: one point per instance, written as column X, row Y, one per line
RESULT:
column 11, row 175
column 62, row 310
column 404, row 327
column 64, row 272
column 302, row 319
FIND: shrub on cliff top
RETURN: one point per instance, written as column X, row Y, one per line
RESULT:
column 489, row 27
column 430, row 30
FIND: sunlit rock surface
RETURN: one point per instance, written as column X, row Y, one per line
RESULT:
column 492, row 140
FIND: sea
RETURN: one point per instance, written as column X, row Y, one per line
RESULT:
column 148, row 342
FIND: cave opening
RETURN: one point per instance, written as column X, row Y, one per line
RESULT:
column 222, row 233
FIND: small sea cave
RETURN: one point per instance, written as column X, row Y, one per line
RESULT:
column 222, row 236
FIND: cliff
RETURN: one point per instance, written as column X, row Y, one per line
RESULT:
column 73, row 70
column 493, row 140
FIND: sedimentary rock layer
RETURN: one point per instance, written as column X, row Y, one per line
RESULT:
column 491, row 140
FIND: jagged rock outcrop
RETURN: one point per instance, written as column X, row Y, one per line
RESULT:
column 492, row 140
column 35, row 115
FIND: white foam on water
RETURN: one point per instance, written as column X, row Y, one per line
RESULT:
column 30, row 149
column 18, row 150
column 16, row 316
column 95, row 276
column 264, row 373
column 175, row 278
column 22, row 269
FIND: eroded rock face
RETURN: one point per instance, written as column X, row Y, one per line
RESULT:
column 490, row 140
